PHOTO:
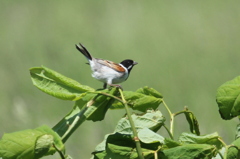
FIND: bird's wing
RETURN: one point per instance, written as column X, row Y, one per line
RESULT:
column 111, row 64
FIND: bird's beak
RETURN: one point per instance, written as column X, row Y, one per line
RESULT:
column 134, row 63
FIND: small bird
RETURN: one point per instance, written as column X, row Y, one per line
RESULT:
column 108, row 72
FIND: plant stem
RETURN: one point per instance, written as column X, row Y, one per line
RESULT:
column 168, row 132
column 171, row 118
column 169, row 111
column 108, row 95
column 220, row 154
column 135, row 137
column 60, row 152
column 78, row 120
column 226, row 147
column 77, row 116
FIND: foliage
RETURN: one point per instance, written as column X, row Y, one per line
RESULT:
column 32, row 143
column 228, row 99
column 136, row 134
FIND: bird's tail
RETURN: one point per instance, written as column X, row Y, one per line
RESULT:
column 84, row 51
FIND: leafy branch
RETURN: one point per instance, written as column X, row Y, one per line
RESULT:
column 136, row 134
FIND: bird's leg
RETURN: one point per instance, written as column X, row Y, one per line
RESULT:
column 116, row 85
column 109, row 82
column 104, row 85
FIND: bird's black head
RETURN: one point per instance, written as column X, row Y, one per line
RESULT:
column 128, row 64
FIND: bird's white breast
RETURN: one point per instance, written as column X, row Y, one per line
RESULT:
column 106, row 74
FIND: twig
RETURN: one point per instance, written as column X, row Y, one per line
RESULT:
column 226, row 148
column 171, row 117
column 60, row 152
column 135, row 137
column 108, row 95
column 168, row 132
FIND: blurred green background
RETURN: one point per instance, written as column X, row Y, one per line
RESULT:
column 185, row 50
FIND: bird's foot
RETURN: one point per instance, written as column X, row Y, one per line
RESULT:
column 113, row 85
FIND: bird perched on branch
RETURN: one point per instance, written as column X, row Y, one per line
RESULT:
column 108, row 72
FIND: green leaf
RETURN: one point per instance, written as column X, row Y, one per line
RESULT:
column 31, row 143
column 64, row 125
column 142, row 100
column 228, row 99
column 100, row 105
column 91, row 106
column 190, row 151
column 150, row 92
column 68, row 157
column 237, row 135
column 43, row 145
column 220, row 153
column 152, row 120
column 99, row 155
column 169, row 143
column 57, row 85
column 233, row 152
column 146, row 124
column 211, row 139
column 124, row 152
column 147, row 136
column 193, row 123
column 57, row 139
column 102, row 145
column 122, row 146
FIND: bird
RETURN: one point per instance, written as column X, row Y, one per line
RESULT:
column 108, row 72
